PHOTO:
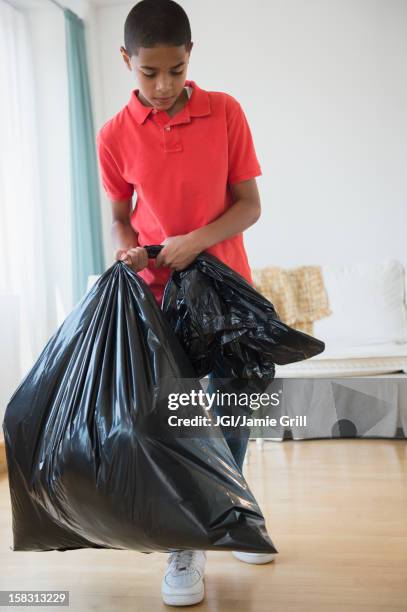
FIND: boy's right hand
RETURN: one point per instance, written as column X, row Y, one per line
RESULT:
column 136, row 257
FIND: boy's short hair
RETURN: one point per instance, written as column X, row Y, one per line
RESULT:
column 154, row 22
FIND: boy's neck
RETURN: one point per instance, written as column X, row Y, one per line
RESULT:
column 175, row 108
column 179, row 103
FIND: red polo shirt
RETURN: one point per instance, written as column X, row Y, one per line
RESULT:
column 181, row 168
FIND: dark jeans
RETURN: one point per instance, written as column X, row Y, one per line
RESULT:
column 236, row 438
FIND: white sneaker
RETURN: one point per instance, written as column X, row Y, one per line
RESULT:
column 255, row 558
column 182, row 584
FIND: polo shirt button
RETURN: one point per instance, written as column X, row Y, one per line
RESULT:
column 168, row 128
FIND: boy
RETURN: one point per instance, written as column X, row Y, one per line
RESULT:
column 189, row 156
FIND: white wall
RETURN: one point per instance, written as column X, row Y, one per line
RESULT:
column 323, row 85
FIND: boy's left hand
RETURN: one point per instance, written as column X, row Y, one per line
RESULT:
column 178, row 252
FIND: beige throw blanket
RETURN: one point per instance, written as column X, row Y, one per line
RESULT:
column 298, row 294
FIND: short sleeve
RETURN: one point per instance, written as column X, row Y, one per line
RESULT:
column 116, row 187
column 242, row 160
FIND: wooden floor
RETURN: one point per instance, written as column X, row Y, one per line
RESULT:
column 335, row 509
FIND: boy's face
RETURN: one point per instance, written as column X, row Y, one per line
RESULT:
column 160, row 73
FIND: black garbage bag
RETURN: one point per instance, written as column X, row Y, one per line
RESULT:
column 223, row 323
column 92, row 461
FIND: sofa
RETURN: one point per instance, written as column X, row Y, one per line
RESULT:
column 366, row 333
column 358, row 386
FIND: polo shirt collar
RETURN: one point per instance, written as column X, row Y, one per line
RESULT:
column 198, row 104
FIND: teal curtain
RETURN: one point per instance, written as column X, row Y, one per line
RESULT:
column 87, row 238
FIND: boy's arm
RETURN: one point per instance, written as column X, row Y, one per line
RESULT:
column 124, row 237
column 244, row 212
column 120, row 193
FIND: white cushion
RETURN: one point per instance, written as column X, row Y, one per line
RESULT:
column 362, row 360
column 383, row 349
column 367, row 302
column 343, row 367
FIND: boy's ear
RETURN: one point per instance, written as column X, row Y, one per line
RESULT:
column 125, row 57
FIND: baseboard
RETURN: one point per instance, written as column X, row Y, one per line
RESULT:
column 3, row 463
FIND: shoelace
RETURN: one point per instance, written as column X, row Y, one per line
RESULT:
column 182, row 558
